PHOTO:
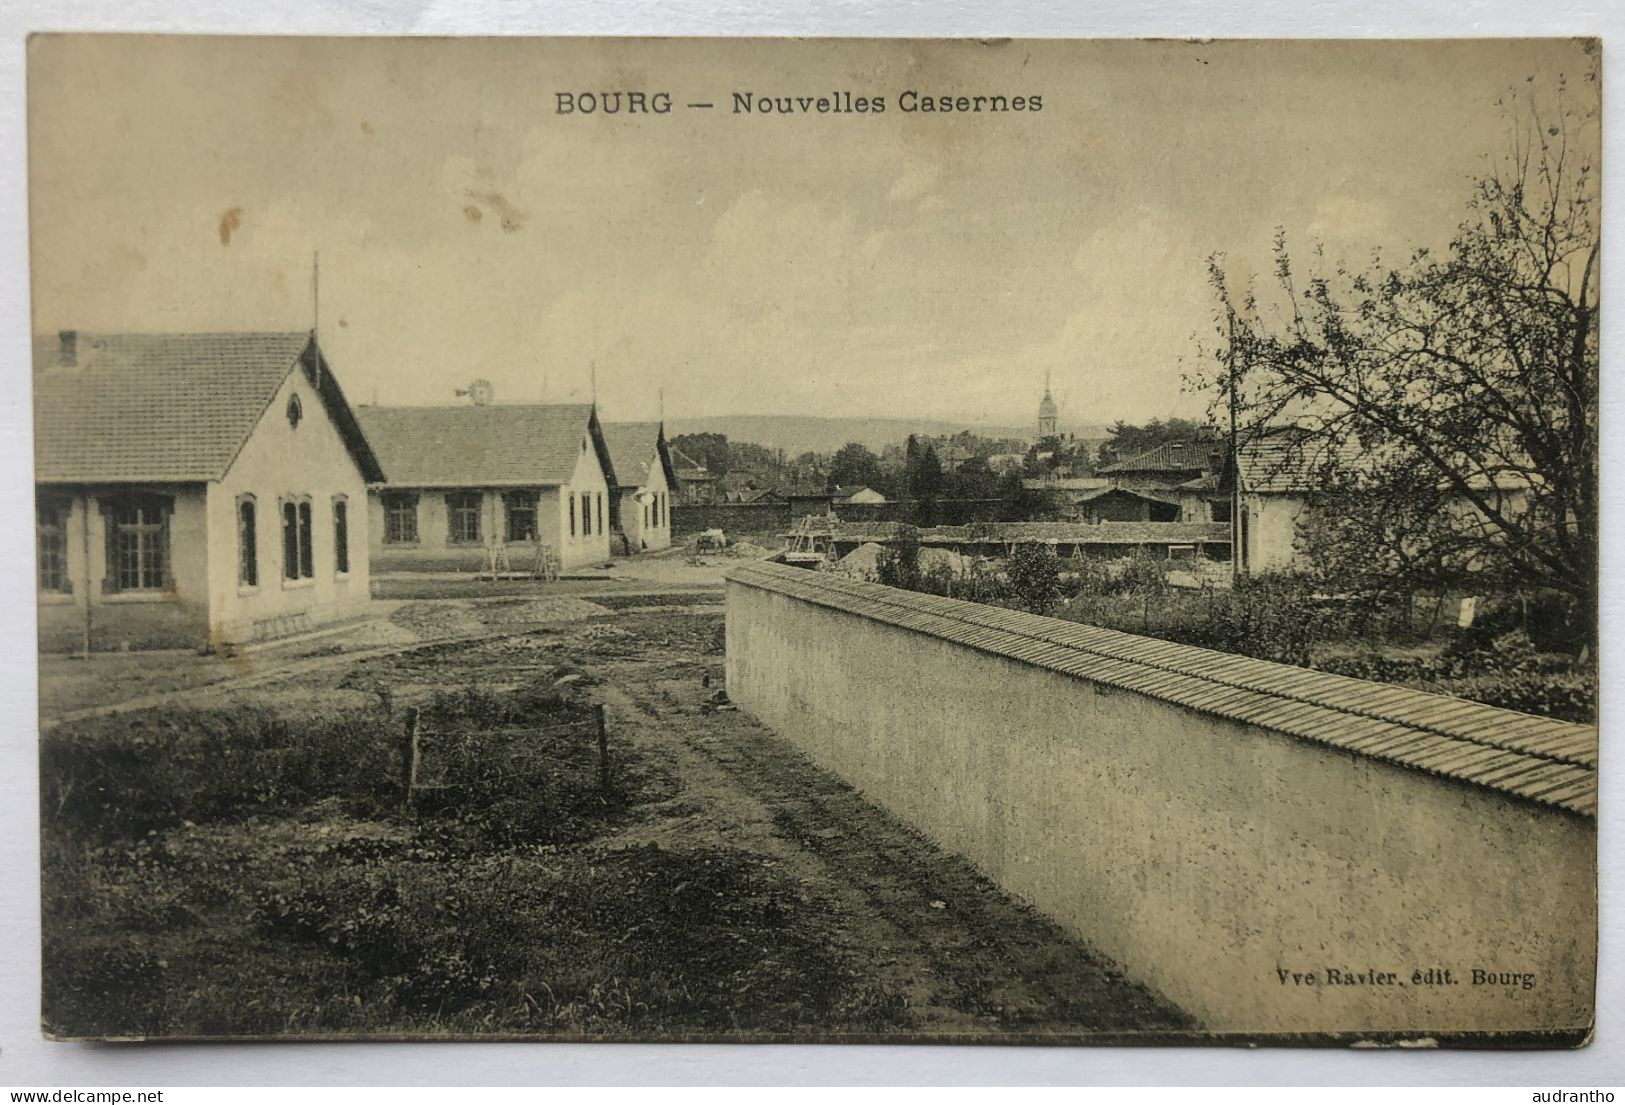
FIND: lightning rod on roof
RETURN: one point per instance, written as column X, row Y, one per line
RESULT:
column 316, row 310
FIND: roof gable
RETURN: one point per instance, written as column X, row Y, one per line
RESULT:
column 172, row 408
column 633, row 447
column 514, row 445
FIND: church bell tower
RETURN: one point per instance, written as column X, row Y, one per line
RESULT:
column 1047, row 412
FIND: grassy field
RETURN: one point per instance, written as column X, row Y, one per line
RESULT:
column 233, row 873
column 251, row 868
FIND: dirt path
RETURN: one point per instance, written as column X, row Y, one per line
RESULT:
column 970, row 960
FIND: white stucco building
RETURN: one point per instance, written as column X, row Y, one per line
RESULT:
column 644, row 479
column 469, row 480
column 194, row 490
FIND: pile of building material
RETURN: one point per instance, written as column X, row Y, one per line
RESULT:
column 862, row 562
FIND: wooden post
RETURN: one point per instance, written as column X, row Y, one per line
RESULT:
column 409, row 755
column 603, row 748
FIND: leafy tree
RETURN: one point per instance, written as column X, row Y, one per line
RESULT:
column 924, row 482
column 854, row 465
column 975, row 479
column 1129, row 440
column 899, row 562
column 1025, row 504
column 1034, row 573
column 1474, row 371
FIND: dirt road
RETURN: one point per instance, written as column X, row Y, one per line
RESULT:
column 970, row 960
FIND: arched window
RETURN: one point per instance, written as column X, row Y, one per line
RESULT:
column 248, row 554
column 341, row 534
column 298, row 548
column 572, row 513
column 290, row 540
column 296, row 411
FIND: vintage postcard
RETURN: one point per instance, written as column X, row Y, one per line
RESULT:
column 823, row 540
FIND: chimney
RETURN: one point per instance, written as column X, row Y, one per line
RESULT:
column 68, row 352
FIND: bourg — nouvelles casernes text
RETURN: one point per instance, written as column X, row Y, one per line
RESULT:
column 909, row 101
column 839, row 102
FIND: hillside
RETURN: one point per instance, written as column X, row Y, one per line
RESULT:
column 799, row 434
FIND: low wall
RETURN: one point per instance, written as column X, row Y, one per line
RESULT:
column 688, row 519
column 1276, row 850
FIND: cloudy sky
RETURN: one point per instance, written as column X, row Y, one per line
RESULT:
column 932, row 266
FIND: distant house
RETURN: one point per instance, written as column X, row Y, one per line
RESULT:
column 695, row 484
column 1277, row 471
column 466, row 482
column 644, row 477
column 194, row 490
column 805, row 502
column 1122, row 504
column 1203, row 500
column 1168, row 465
column 762, row 496
column 857, row 495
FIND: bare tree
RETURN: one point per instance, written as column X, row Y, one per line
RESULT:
column 1474, row 372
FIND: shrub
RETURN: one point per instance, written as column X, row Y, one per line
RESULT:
column 1034, row 573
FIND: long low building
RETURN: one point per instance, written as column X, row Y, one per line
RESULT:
column 1172, row 539
column 472, row 485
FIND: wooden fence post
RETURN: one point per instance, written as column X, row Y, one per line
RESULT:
column 409, row 755
column 603, row 748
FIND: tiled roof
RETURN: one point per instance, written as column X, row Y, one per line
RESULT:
column 632, row 447
column 511, row 445
column 1289, row 459
column 1065, row 483
column 1046, row 533
column 1132, row 492
column 1177, row 456
column 165, row 407
column 1532, row 758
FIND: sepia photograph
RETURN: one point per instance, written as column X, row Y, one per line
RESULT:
column 969, row 541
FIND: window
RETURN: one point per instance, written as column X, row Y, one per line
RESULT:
column 463, row 517
column 307, row 555
column 51, row 530
column 290, row 541
column 138, row 543
column 248, row 557
column 298, row 552
column 586, row 514
column 572, row 513
column 400, row 518
column 341, row 535
column 296, row 411
column 600, row 512
column 520, row 509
